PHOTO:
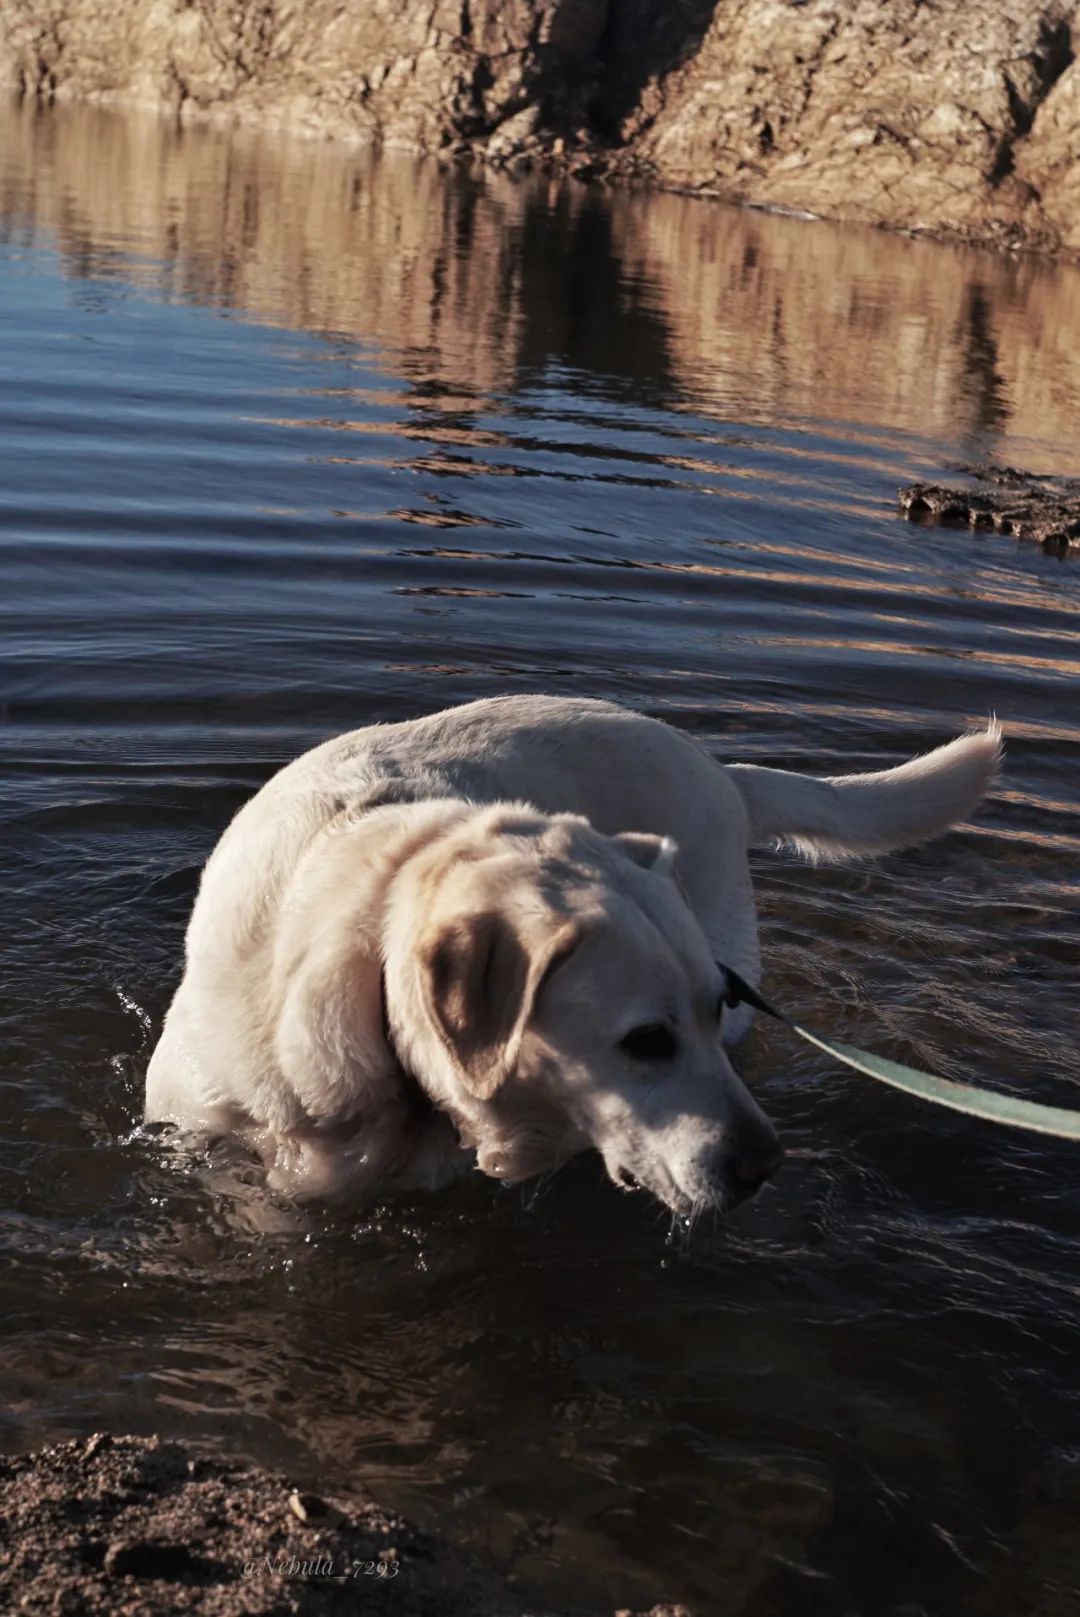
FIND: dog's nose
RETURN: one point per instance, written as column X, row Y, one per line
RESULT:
column 755, row 1157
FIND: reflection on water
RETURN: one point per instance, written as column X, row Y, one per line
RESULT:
column 293, row 439
column 486, row 280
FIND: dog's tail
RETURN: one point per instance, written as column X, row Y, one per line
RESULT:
column 849, row 815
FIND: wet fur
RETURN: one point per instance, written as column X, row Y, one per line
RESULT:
column 510, row 887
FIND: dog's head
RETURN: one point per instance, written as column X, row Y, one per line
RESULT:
column 552, row 990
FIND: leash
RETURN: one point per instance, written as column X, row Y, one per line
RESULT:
column 990, row 1104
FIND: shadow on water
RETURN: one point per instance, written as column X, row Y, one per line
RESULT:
column 295, row 439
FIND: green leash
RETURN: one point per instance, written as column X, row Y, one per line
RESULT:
column 987, row 1103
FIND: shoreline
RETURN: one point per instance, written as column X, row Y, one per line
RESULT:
column 958, row 123
column 116, row 1526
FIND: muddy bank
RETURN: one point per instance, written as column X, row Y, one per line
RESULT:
column 120, row 1526
column 960, row 117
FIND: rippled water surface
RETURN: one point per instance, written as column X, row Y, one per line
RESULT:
column 291, row 441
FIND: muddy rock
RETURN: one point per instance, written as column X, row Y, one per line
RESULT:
column 1043, row 509
column 955, row 117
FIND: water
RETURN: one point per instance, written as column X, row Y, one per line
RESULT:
column 290, row 441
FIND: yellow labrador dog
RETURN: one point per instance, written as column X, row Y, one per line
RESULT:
column 490, row 938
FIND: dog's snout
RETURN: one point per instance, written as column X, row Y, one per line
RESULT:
column 756, row 1154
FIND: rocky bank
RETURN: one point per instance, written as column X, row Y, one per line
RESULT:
column 954, row 117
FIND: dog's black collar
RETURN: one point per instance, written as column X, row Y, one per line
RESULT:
column 738, row 992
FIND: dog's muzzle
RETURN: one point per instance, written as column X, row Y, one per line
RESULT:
column 753, row 1157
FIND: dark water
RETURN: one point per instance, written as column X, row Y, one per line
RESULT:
column 290, row 442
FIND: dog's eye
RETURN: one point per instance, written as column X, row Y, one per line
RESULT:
column 653, row 1042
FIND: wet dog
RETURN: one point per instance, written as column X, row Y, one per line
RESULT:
column 498, row 928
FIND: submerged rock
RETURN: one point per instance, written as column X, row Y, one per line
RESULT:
column 1043, row 509
column 959, row 118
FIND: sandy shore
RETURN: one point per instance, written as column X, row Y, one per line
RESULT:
column 120, row 1526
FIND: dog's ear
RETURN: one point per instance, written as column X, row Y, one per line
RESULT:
column 648, row 851
column 480, row 982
